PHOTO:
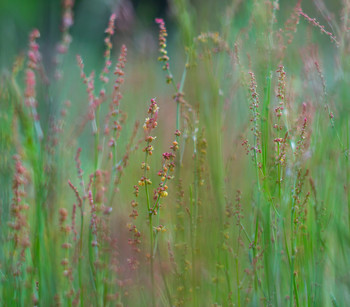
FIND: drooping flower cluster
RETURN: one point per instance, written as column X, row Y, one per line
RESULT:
column 316, row 24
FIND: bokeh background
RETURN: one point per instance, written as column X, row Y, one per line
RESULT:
column 135, row 25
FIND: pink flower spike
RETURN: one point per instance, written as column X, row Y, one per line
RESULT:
column 110, row 29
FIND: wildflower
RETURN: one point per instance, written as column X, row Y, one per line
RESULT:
column 162, row 48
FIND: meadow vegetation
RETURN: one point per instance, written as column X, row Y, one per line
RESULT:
column 214, row 172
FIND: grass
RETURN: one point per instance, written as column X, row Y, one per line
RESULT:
column 216, row 178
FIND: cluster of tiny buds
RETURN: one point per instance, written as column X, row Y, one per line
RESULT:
column 302, row 137
column 63, row 45
column 278, row 140
column 151, row 122
column 319, row 26
column 93, row 221
column 179, row 98
column 280, row 91
column 136, row 237
column 253, row 92
column 168, row 167
column 33, row 53
column 160, row 228
column 149, row 125
column 90, row 87
column 108, row 43
column 291, row 24
column 254, row 107
column 65, row 229
column 146, row 166
column 34, row 58
column 63, row 217
column 136, row 190
column 119, row 67
column 175, row 146
column 116, row 97
column 19, row 225
column 153, row 108
column 67, row 20
column 143, row 181
column 250, row 149
column 116, row 127
column 162, row 40
column 110, row 28
column 162, row 48
column 278, row 111
column 219, row 43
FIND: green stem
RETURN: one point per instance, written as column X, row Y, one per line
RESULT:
column 238, row 283
column 150, row 215
column 80, row 257
column 151, row 258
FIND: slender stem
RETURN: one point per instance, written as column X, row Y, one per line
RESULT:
column 293, row 285
column 152, row 259
column 238, row 283
column 80, row 257
column 150, row 215
column 348, row 169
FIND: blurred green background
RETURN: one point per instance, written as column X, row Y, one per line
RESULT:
column 135, row 20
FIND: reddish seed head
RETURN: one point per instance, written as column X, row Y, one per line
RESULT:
column 110, row 29
column 63, row 213
column 66, row 245
column 34, row 34
column 64, row 262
